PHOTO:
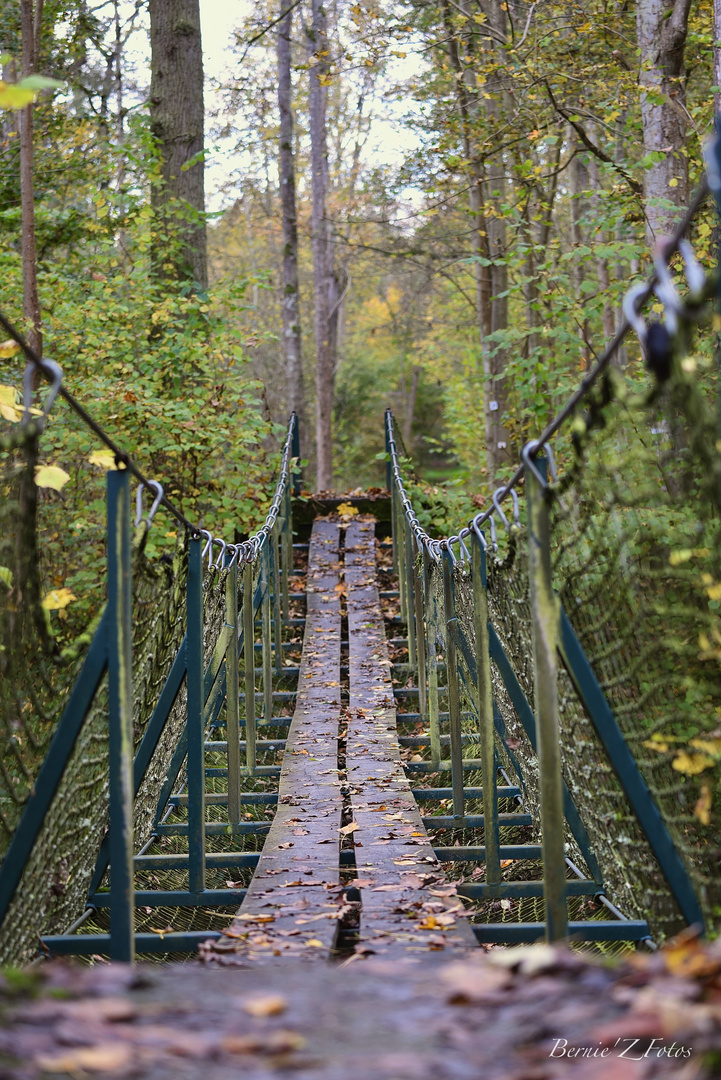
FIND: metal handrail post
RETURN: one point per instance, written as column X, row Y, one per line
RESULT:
column 484, row 692
column 120, row 709
column 454, row 697
column 232, row 720
column 196, row 729
column 277, row 616
column 249, row 664
column 420, row 637
column 266, row 634
column 434, row 725
column 295, row 453
column 401, row 555
column 545, row 617
column 410, row 598
column 286, row 538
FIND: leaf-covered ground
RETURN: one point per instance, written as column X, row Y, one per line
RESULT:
column 524, row 1014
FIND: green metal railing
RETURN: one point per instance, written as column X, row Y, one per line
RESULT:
column 256, row 575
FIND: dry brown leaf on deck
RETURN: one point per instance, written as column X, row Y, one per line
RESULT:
column 265, row 1005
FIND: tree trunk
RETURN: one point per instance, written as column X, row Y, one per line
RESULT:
column 579, row 208
column 30, row 20
column 661, row 39
column 286, row 169
column 318, row 45
column 717, row 56
column 176, row 120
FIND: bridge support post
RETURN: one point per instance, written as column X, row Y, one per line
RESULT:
column 420, row 636
column 545, row 616
column 432, row 642
column 266, row 633
column 287, row 551
column 485, row 710
column 249, row 664
column 295, row 453
column 410, row 576
column 120, row 710
column 195, row 726
column 454, row 697
column 232, row 689
column 274, row 554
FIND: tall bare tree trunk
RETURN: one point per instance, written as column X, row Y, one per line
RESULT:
column 177, row 122
column 30, row 21
column 318, row 47
column 661, row 35
column 286, row 168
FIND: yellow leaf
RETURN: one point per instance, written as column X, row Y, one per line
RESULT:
column 714, row 591
column 6, row 576
column 707, row 746
column 346, row 510
column 14, row 96
column 57, row 599
column 8, row 348
column 691, row 764
column 51, row 476
column 313, row 943
column 9, row 410
column 702, row 809
column 104, row 459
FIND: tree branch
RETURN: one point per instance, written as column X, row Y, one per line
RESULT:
column 634, row 185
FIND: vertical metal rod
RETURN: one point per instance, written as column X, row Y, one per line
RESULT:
column 432, row 640
column 295, row 453
column 277, row 618
column 394, row 526
column 420, row 639
column 249, row 664
column 401, row 548
column 389, row 474
column 454, row 697
column 410, row 597
column 545, row 617
column 196, row 732
column 266, row 634
column 232, row 722
column 485, row 711
column 120, row 702
column 286, row 538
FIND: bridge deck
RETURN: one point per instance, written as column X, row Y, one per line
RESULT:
column 403, row 890
column 292, row 902
column 295, row 900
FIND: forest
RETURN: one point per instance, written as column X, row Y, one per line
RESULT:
column 212, row 221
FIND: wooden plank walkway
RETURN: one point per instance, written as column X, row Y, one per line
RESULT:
column 293, row 902
column 407, row 905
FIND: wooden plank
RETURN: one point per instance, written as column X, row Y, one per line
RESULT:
column 294, row 900
column 407, row 905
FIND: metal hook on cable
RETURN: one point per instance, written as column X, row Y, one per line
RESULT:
column 139, row 503
column 497, row 505
column 218, row 563
column 632, row 316
column 57, row 374
column 528, row 461
column 465, row 554
column 494, row 538
column 476, row 528
column 666, row 292
column 208, row 542
column 695, row 277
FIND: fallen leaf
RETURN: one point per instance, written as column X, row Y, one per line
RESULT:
column 8, row 348
column 271, row 1042
column 314, row 943
column 347, row 829
column 267, row 1005
column 106, row 1058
